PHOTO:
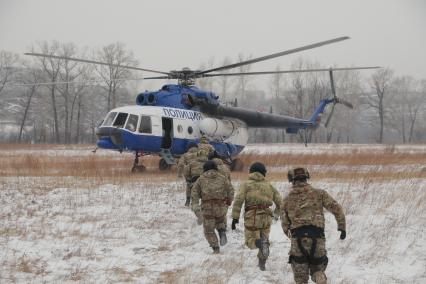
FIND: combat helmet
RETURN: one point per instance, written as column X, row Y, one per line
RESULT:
column 209, row 165
column 298, row 173
column 258, row 167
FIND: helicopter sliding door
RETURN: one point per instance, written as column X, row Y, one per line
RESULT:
column 167, row 132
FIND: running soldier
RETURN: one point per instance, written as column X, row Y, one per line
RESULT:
column 303, row 222
column 258, row 195
column 205, row 146
column 216, row 194
column 192, row 171
column 184, row 160
column 221, row 167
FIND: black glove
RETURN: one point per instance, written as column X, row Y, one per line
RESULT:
column 234, row 222
column 342, row 234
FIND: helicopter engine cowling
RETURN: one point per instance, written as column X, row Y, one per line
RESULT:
column 220, row 128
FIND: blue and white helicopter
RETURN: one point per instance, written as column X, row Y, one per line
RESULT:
column 163, row 122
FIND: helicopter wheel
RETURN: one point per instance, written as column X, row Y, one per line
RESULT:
column 138, row 168
column 163, row 166
column 237, row 165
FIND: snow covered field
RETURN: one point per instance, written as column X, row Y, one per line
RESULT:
column 126, row 228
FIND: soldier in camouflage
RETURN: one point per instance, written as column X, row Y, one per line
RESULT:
column 184, row 161
column 221, row 167
column 216, row 194
column 205, row 146
column 192, row 171
column 303, row 222
column 258, row 195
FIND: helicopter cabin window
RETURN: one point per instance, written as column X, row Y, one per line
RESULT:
column 120, row 120
column 132, row 122
column 190, row 130
column 145, row 126
column 109, row 119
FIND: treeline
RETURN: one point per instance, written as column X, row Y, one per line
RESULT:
column 388, row 108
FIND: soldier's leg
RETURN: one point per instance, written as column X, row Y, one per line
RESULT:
column 300, row 269
column 251, row 237
column 188, row 194
column 209, row 225
column 317, row 271
column 221, row 228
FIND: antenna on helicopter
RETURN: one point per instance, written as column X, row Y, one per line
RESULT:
column 336, row 100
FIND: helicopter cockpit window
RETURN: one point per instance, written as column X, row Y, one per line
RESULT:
column 132, row 122
column 109, row 119
column 145, row 126
column 120, row 120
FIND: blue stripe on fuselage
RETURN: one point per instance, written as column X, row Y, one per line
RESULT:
column 152, row 144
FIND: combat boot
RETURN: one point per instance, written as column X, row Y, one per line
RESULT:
column 188, row 200
column 216, row 250
column 262, row 262
column 263, row 245
column 222, row 237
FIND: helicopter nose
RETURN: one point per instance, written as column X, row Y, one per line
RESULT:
column 111, row 133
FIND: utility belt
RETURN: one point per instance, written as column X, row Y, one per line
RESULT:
column 255, row 207
column 219, row 201
column 313, row 233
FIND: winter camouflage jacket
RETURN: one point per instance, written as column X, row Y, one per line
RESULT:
column 184, row 160
column 222, row 168
column 304, row 206
column 256, row 191
column 215, row 191
column 205, row 148
column 195, row 164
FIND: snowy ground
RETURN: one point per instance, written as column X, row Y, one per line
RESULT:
column 90, row 230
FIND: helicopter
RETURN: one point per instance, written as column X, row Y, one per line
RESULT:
column 164, row 122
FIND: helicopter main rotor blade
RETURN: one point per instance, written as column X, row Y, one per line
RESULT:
column 94, row 62
column 159, row 77
column 14, row 84
column 267, row 57
column 288, row 71
column 333, row 89
column 346, row 103
column 330, row 115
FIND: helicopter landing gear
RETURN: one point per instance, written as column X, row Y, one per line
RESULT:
column 237, row 165
column 163, row 166
column 136, row 167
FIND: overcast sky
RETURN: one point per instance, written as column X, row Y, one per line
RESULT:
column 167, row 35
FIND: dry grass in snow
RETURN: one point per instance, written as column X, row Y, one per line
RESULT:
column 79, row 217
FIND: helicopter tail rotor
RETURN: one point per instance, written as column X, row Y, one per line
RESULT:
column 336, row 100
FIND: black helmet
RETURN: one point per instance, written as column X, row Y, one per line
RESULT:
column 209, row 165
column 298, row 173
column 191, row 145
column 258, row 167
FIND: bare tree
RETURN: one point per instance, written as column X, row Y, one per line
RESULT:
column 224, row 81
column 380, row 82
column 113, row 75
column 243, row 80
column 52, row 68
column 7, row 60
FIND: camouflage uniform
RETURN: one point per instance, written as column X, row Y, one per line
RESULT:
column 222, row 168
column 303, row 222
column 258, row 195
column 184, row 161
column 192, row 171
column 216, row 193
column 205, row 146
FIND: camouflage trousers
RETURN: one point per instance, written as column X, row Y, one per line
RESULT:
column 254, row 227
column 210, row 223
column 302, row 271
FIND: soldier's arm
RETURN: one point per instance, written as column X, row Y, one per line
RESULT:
column 277, row 200
column 195, row 196
column 285, row 220
column 334, row 207
column 230, row 190
column 180, row 166
column 238, row 202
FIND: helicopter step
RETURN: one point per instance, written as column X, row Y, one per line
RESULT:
column 167, row 160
